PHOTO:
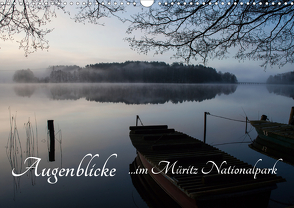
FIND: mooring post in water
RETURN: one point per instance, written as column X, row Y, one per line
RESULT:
column 291, row 121
column 246, row 125
column 137, row 118
column 204, row 136
column 52, row 140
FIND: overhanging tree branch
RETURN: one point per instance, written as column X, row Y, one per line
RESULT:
column 260, row 31
column 29, row 20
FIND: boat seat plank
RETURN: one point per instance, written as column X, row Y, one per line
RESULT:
column 153, row 131
column 148, row 127
column 196, row 158
column 176, row 146
column 165, row 137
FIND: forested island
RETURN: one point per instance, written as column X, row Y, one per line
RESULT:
column 128, row 72
column 285, row 78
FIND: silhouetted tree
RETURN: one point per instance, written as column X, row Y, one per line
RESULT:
column 24, row 76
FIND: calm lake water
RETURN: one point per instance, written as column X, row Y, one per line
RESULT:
column 95, row 118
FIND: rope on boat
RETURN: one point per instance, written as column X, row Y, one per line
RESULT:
column 227, row 118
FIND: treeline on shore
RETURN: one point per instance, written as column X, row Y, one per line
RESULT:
column 285, row 78
column 130, row 71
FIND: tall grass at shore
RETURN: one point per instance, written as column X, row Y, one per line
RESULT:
column 14, row 152
column 31, row 146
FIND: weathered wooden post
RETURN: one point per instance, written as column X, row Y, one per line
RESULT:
column 204, row 136
column 52, row 140
column 246, row 125
column 137, row 118
column 291, row 119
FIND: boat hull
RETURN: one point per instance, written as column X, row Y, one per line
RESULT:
column 168, row 186
column 277, row 133
column 149, row 190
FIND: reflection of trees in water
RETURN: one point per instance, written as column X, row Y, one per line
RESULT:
column 284, row 90
column 140, row 93
column 25, row 90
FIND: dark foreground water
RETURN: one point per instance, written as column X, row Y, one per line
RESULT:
column 95, row 119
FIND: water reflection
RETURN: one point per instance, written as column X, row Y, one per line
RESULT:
column 131, row 93
column 17, row 156
column 25, row 90
column 273, row 150
column 31, row 149
column 14, row 152
column 149, row 190
column 96, row 127
column 284, row 90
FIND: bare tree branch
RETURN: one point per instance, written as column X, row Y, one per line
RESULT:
column 93, row 11
column 28, row 20
column 258, row 30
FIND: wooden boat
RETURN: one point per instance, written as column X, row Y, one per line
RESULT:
column 274, row 139
column 171, row 158
column 278, row 133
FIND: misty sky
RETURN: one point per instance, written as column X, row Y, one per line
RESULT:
column 77, row 44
